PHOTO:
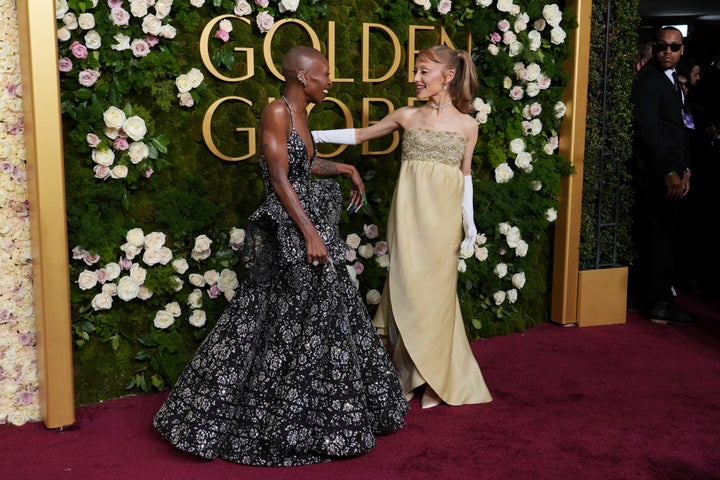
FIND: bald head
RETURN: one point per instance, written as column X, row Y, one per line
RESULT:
column 300, row 58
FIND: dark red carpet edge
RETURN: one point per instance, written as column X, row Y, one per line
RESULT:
column 631, row 401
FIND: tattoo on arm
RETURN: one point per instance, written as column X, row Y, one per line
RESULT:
column 324, row 167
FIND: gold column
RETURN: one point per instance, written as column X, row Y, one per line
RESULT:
column 46, row 191
column 572, row 147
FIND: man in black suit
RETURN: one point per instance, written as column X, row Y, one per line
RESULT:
column 661, row 178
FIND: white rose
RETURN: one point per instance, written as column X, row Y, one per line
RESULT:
column 135, row 237
column 483, row 3
column 462, row 266
column 185, row 99
column 61, row 8
column 173, row 308
column 138, row 8
column 264, row 21
column 151, row 24
column 237, row 238
column 229, row 294
column 288, row 5
column 138, row 273
column 130, row 250
column 551, row 215
column 523, row 161
column 197, row 318
column 521, row 249
column 557, row 35
column 135, row 127
column 114, row 117
column 509, row 38
column 372, row 297
column 503, row 173
column 227, row 280
column 154, row 240
column 109, row 288
column 366, row 251
column 517, row 145
column 162, row 9
column 512, row 295
column 383, row 260
column 119, row 171
column 196, row 280
column 151, row 256
column 481, row 239
column 533, row 71
column 101, row 301
column 226, row 25
column 167, row 31
column 481, row 253
column 500, row 270
column 123, row 42
column 211, row 277
column 195, row 298
column 532, row 89
column 104, row 156
column 493, row 49
column 536, row 185
column 535, row 40
column 195, row 76
column 63, row 34
column 197, row 3
column 559, row 110
column 86, row 21
column 504, row 5
column 353, row 240
column 180, row 265
column 128, row 288
column 93, row 41
column 138, row 151
column 163, row 319
column 182, row 82
column 503, row 228
column 499, row 297
column 507, row 83
column 518, row 280
column 87, row 279
column 144, row 293
column 552, row 14
column 113, row 271
column 202, row 243
column 512, row 237
column 467, row 252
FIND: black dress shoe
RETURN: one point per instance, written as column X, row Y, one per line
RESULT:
column 670, row 313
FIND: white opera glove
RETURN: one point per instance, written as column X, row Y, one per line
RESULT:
column 468, row 218
column 343, row 136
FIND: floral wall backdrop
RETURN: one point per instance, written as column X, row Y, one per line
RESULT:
column 18, row 359
column 155, row 218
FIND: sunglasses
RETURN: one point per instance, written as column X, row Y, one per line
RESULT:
column 661, row 47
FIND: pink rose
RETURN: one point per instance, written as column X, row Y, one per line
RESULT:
column 444, row 6
column 381, row 248
column 119, row 16
column 495, row 37
column 264, row 21
column 121, row 144
column 124, row 262
column 262, row 3
column 359, row 267
column 371, row 231
column 140, row 48
column 88, row 77
column 101, row 171
column 152, row 40
column 78, row 50
column 222, row 35
column 92, row 140
column 65, row 64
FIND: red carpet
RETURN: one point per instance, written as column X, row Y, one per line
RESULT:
column 634, row 401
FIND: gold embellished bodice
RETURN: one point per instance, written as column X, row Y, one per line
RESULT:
column 433, row 146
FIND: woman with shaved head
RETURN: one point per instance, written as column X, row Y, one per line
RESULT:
column 294, row 371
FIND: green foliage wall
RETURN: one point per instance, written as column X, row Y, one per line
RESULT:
column 181, row 191
column 606, row 193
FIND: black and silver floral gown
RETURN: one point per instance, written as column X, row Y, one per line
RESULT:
column 294, row 371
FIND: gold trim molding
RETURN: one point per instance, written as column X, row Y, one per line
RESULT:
column 48, row 221
column 566, row 259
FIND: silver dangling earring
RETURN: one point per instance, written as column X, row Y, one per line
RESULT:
column 301, row 80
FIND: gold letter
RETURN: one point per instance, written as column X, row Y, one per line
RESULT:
column 366, row 122
column 348, row 124
column 207, row 133
column 267, row 50
column 205, row 55
column 366, row 52
column 412, row 51
column 331, row 54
